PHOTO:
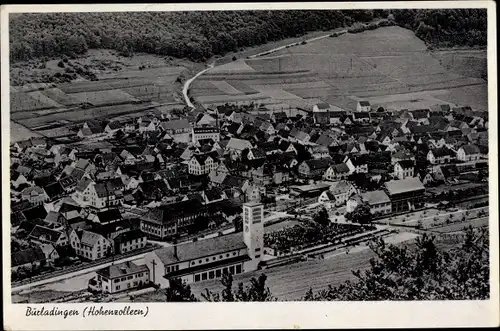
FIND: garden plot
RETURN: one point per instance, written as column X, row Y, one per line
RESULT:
column 59, row 96
column 21, row 101
column 150, row 92
column 226, row 88
column 241, row 86
column 19, row 132
column 82, row 115
column 99, row 98
column 39, row 96
column 170, row 73
column 405, row 65
column 102, row 85
column 275, row 92
column 415, row 100
column 210, row 99
column 238, row 66
column 475, row 96
column 307, row 93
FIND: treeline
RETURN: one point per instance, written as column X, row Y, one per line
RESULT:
column 200, row 35
column 445, row 27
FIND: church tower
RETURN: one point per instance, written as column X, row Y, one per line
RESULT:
column 253, row 232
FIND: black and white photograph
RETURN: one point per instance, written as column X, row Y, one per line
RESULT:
column 249, row 155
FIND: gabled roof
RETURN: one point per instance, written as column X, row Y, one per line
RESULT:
column 318, row 164
column 53, row 190
column 340, row 168
column 179, row 124
column 406, row 164
column 470, row 149
column 199, row 249
column 109, row 215
column 375, row 197
column 408, row 184
column 121, row 270
column 44, row 233
column 364, row 103
column 238, row 144
column 442, row 152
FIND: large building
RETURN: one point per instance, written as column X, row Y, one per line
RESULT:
column 405, row 194
column 119, row 277
column 201, row 133
column 210, row 258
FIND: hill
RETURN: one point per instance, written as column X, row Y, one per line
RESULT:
column 200, row 35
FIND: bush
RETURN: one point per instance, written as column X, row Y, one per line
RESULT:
column 234, row 58
column 60, row 64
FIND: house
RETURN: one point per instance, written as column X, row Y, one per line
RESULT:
column 404, row 168
column 51, row 254
column 44, row 235
column 175, row 126
column 113, row 127
column 120, row 277
column 337, row 172
column 357, row 164
column 34, row 194
column 210, row 258
column 440, row 155
column 338, row 193
column 379, row 202
column 200, row 133
column 313, row 168
column 206, row 120
column 405, row 194
column 167, row 220
column 17, row 179
column 321, row 113
column 361, row 117
column 202, row 164
column 92, row 129
column 401, row 155
column 468, row 153
column 256, row 153
column 90, row 245
column 268, row 128
column 363, row 106
column 299, row 136
column 129, row 241
column 107, row 216
column 28, row 258
column 236, row 146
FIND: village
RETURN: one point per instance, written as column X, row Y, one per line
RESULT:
column 236, row 188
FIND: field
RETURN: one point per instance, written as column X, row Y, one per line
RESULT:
column 375, row 65
column 124, row 86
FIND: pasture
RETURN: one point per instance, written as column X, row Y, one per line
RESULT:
column 375, row 65
column 125, row 86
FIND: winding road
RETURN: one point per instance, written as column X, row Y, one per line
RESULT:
column 187, row 84
column 185, row 89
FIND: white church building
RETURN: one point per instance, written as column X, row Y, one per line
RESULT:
column 208, row 259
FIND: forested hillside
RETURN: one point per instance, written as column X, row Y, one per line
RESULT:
column 200, row 35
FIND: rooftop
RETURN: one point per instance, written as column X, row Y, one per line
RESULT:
column 198, row 249
column 409, row 184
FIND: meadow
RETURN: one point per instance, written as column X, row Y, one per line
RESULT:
column 124, row 86
column 374, row 65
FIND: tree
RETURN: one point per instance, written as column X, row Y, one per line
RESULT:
column 179, row 292
column 361, row 214
column 424, row 273
column 256, row 291
column 322, row 217
column 238, row 223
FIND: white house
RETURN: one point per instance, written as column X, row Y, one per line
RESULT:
column 440, row 155
column 337, row 172
column 202, row 164
column 404, row 168
column 90, row 245
column 363, row 106
column 468, row 153
column 120, row 277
